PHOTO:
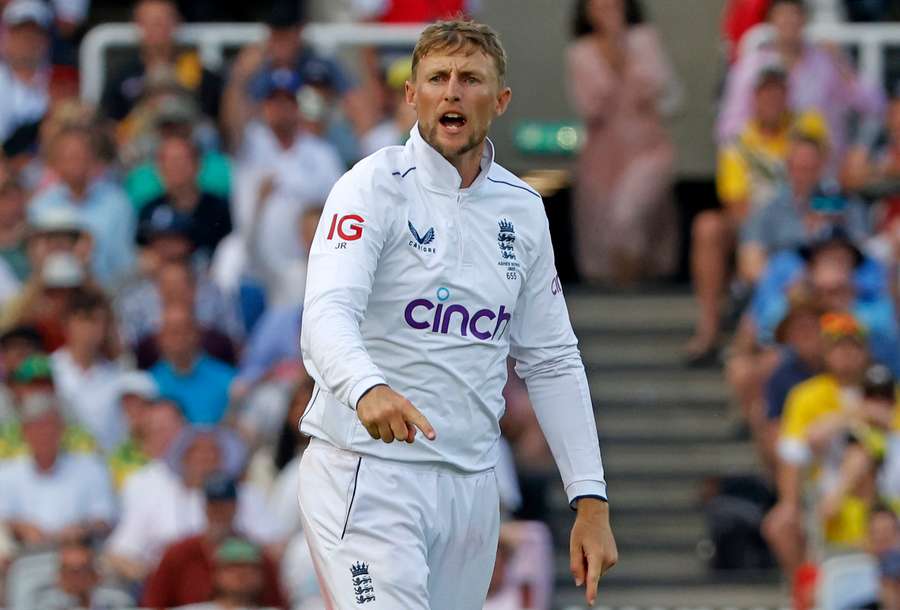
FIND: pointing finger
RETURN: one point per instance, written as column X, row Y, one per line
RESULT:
column 415, row 417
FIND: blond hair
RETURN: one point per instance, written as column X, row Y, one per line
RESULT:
column 461, row 35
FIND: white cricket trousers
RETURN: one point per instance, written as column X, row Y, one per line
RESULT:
column 387, row 535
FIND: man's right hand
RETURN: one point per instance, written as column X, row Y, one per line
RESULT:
column 389, row 416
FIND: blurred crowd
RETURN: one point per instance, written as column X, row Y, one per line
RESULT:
column 152, row 272
column 800, row 259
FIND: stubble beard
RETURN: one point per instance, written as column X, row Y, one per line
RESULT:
column 451, row 155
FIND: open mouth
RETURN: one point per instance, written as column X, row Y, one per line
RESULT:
column 453, row 121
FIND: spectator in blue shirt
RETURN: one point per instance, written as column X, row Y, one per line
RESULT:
column 101, row 206
column 196, row 381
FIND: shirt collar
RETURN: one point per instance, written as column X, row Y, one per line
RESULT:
column 435, row 172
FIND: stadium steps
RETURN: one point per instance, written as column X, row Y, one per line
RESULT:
column 665, row 430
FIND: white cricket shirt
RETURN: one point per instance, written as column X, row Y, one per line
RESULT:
column 427, row 287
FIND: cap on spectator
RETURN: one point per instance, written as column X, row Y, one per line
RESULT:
column 811, row 127
column 138, row 383
column 280, row 80
column 398, row 73
column 771, row 71
column 62, row 270
column 802, row 306
column 878, row 382
column 220, row 488
column 237, row 551
column 164, row 222
column 231, row 448
column 34, row 368
column 829, row 236
column 285, row 14
column 37, row 405
column 837, row 326
column 21, row 333
column 19, row 12
column 56, row 220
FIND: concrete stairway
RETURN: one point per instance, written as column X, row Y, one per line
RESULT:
column 664, row 429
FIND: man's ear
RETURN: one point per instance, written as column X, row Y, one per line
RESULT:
column 409, row 90
column 503, row 100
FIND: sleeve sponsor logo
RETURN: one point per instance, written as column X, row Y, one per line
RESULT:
column 348, row 228
column 555, row 286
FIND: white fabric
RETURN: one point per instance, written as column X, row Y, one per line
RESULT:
column 427, row 535
column 91, row 396
column 73, row 11
column 298, row 574
column 76, row 491
column 435, row 316
column 21, row 103
column 303, row 175
column 157, row 510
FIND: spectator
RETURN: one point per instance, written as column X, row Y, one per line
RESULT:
column 814, row 416
column 86, row 379
column 24, row 73
column 16, row 345
column 801, row 209
column 172, row 281
column 157, row 21
column 199, row 383
column 398, row 117
column 618, row 78
column 283, row 50
column 101, row 206
column 820, row 78
column 53, row 495
column 79, row 584
column 285, row 166
column 45, row 300
column 163, row 502
column 750, row 172
column 238, row 577
column 800, row 359
column 185, row 574
column 207, row 215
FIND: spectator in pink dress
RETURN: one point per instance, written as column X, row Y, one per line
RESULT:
column 819, row 78
column 618, row 78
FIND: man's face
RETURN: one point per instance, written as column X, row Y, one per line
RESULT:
column 201, row 459
column 179, row 339
column 805, row 163
column 156, row 21
column 135, row 408
column 770, row 102
column 177, row 164
column 87, row 329
column 43, row 436
column 456, row 97
column 281, row 113
column 788, row 20
column 804, row 337
column 25, row 45
column 220, row 517
column 846, row 358
column 74, row 159
column 239, row 581
column 77, row 575
column 12, row 205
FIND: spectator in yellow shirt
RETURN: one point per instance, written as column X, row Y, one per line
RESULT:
column 816, row 415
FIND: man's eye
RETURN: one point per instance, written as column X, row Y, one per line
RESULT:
column 472, row 80
column 436, row 78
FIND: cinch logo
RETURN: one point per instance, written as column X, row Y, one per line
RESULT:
column 355, row 223
column 483, row 324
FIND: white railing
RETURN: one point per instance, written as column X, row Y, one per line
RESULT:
column 211, row 40
column 869, row 39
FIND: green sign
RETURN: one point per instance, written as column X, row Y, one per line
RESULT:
column 549, row 138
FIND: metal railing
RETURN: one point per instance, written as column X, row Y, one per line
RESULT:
column 212, row 39
column 870, row 40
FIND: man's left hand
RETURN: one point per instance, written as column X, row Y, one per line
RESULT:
column 592, row 547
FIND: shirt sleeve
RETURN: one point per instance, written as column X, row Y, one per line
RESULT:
column 547, row 358
column 101, row 504
column 799, row 412
column 342, row 263
column 732, row 177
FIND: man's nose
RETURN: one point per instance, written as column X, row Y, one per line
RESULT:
column 453, row 91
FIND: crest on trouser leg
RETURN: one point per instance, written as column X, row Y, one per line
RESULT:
column 363, row 588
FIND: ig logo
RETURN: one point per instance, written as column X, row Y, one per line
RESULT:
column 349, row 228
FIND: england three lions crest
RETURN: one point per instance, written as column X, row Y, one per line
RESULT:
column 363, row 589
column 506, row 240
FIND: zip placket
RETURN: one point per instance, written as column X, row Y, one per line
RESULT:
column 459, row 235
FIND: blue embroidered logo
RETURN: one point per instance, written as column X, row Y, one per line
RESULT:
column 420, row 242
column 506, row 238
column 363, row 588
